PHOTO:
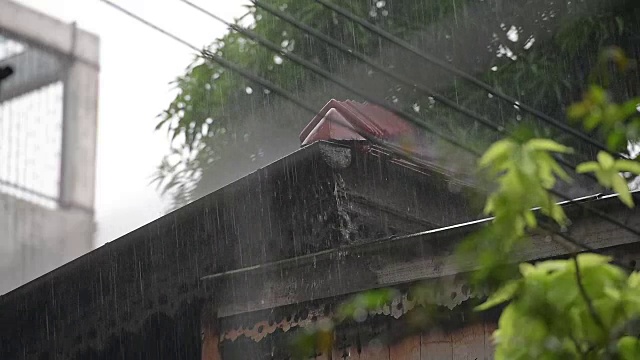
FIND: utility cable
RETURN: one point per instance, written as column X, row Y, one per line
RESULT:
column 327, row 75
column 306, row 64
column 452, row 69
column 289, row 96
column 312, row 67
column 436, row 96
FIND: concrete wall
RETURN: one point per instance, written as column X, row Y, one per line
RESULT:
column 35, row 239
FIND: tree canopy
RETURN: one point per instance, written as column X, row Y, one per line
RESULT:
column 224, row 125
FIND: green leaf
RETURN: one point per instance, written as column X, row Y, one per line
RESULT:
column 552, row 265
column 597, row 94
column 577, row 111
column 606, row 160
column 617, row 140
column 526, row 269
column 619, row 185
column 504, row 294
column 530, row 219
column 548, row 145
column 592, row 120
column 634, row 280
column 589, row 260
column 590, row 166
column 497, row 152
column 628, row 348
column 628, row 165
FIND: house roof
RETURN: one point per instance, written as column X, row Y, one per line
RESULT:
column 347, row 120
column 408, row 143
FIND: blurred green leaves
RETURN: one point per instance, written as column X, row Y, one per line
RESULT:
column 549, row 316
column 361, row 304
column 620, row 122
column 523, row 173
column 608, row 172
column 582, row 308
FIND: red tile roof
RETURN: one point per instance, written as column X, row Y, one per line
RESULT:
column 347, row 120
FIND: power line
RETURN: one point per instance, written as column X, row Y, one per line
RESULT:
column 438, row 97
column 257, row 79
column 327, row 75
column 289, row 96
column 394, row 39
column 347, row 50
column 151, row 25
column 351, row 247
column 306, row 64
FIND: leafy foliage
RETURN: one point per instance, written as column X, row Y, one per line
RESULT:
column 608, row 172
column 620, row 121
column 579, row 308
column 551, row 311
column 524, row 172
column 210, row 120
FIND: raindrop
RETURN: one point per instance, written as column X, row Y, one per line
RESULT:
column 284, row 33
column 258, row 17
column 381, row 4
column 416, row 107
column 284, row 43
column 216, row 75
column 432, row 100
column 394, row 99
column 385, row 12
column 292, row 45
column 283, row 7
column 638, row 107
column 373, row 13
column 209, row 121
column 512, row 34
column 277, row 59
column 266, row 91
column 495, row 68
column 246, row 137
column 249, row 90
column 518, row 117
column 490, row 95
column 516, row 105
column 360, row 315
column 207, row 86
column 529, row 43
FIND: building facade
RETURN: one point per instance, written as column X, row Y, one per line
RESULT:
column 48, row 122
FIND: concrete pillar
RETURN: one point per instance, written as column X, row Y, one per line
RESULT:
column 39, row 239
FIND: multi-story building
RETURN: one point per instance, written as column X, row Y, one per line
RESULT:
column 48, row 119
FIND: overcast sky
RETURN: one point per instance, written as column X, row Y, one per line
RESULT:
column 137, row 64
